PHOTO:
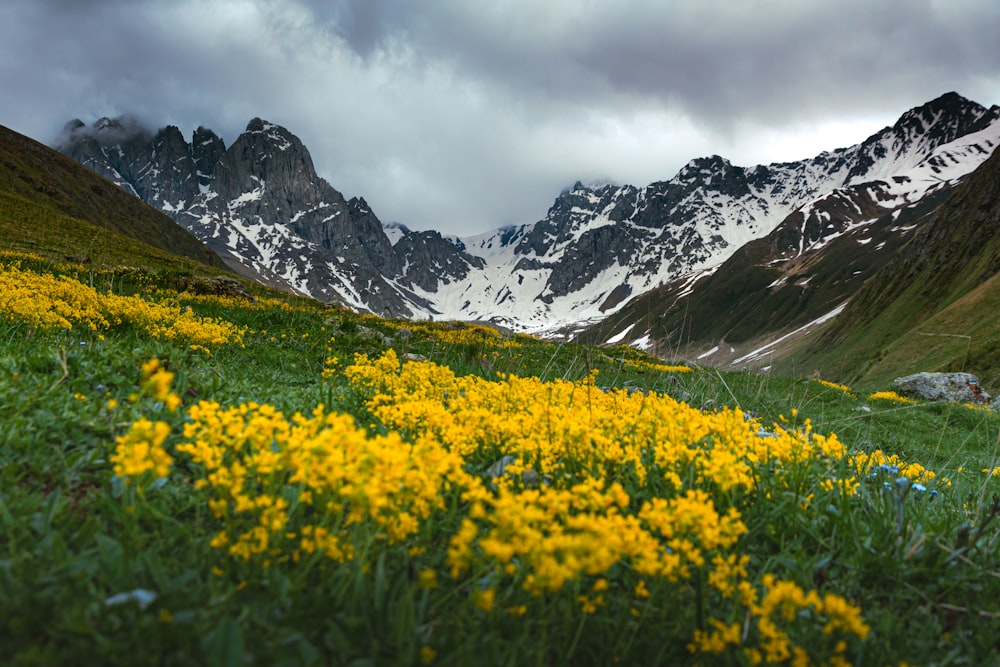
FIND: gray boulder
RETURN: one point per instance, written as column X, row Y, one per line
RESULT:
column 953, row 387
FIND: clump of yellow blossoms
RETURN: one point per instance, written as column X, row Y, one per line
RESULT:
column 157, row 383
column 141, row 450
column 597, row 486
column 46, row 301
column 866, row 463
column 653, row 366
column 833, row 385
column 339, row 476
column 890, row 396
column 455, row 333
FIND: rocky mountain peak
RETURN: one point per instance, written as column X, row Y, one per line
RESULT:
column 360, row 206
column 916, row 134
column 706, row 166
column 946, row 117
column 272, row 162
column 207, row 148
column 73, row 126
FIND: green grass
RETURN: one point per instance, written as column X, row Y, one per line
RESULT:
column 44, row 196
column 926, row 573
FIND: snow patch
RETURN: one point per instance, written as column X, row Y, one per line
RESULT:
column 709, row 353
column 620, row 336
column 761, row 351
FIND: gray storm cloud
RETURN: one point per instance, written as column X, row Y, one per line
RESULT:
column 466, row 116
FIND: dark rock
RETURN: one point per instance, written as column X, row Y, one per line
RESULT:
column 218, row 286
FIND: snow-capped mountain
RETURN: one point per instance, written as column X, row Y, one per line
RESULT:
column 780, row 287
column 260, row 204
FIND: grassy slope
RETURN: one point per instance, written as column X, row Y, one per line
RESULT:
column 31, row 227
column 965, row 335
column 38, row 183
column 939, row 283
column 68, row 543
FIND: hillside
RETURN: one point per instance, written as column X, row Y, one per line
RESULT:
column 912, row 289
column 934, row 305
column 50, row 204
column 721, row 315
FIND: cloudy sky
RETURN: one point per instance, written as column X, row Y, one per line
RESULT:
column 465, row 115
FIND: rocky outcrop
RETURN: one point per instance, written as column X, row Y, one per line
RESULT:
column 431, row 260
column 951, row 387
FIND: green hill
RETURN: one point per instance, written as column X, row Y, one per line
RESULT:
column 925, row 300
column 51, row 205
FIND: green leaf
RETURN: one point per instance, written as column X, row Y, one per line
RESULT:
column 225, row 645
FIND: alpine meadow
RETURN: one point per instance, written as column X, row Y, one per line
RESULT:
column 197, row 467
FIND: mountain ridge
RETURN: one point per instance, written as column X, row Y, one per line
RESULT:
column 853, row 303
column 263, row 208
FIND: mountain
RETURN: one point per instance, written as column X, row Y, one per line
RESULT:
column 842, row 282
column 260, row 204
column 934, row 305
column 50, row 203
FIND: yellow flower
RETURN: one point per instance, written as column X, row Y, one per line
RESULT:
column 840, row 387
column 50, row 302
column 890, row 396
column 483, row 599
column 427, row 579
column 141, row 450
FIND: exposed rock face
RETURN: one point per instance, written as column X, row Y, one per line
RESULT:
column 433, row 260
column 207, row 149
column 258, row 203
column 952, row 387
